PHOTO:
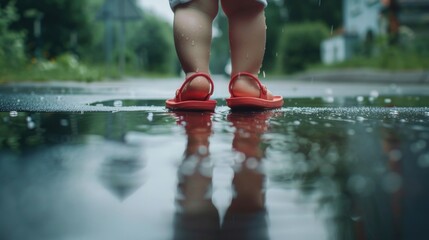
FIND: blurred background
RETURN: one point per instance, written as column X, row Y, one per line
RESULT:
column 91, row 40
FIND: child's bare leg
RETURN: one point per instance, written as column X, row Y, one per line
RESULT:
column 192, row 36
column 247, row 35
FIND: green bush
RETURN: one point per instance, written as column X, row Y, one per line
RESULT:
column 11, row 43
column 299, row 46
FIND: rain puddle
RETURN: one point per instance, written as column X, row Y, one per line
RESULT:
column 320, row 168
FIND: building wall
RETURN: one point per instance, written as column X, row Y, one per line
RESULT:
column 361, row 16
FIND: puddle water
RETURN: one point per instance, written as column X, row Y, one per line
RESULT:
column 349, row 168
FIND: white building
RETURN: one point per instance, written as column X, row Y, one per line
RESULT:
column 361, row 20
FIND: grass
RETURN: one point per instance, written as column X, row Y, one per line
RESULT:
column 67, row 68
column 392, row 59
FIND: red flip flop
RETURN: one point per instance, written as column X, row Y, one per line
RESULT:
column 192, row 105
column 254, row 103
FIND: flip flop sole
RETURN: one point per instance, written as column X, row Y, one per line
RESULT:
column 208, row 105
column 254, row 103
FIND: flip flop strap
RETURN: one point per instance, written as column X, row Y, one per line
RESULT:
column 189, row 79
column 263, row 89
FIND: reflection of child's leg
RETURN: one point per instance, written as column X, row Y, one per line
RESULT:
column 246, row 216
column 192, row 36
column 247, row 34
column 197, row 217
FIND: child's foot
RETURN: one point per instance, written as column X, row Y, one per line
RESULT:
column 197, row 89
column 194, row 94
column 244, row 86
column 247, row 92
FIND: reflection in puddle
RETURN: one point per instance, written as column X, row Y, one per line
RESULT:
column 122, row 170
column 299, row 173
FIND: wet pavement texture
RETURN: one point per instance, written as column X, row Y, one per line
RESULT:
column 108, row 161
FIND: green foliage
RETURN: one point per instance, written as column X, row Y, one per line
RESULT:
column 11, row 42
column 61, row 21
column 275, row 15
column 152, row 46
column 328, row 12
column 299, row 46
column 411, row 54
column 220, row 46
column 65, row 67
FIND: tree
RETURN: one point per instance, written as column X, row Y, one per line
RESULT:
column 328, row 12
column 152, row 44
column 11, row 42
column 61, row 21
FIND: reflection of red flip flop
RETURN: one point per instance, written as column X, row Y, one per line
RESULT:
column 192, row 105
column 261, row 102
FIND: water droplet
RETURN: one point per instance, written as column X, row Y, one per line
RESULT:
column 427, row 114
column 252, row 163
column 64, row 122
column 395, row 155
column 387, row 100
column 296, row 123
column 263, row 74
column 394, row 112
column 42, row 98
column 374, row 94
column 329, row 99
column 117, row 103
column 150, row 117
column 193, row 43
column 418, row 146
column 202, row 150
column 392, row 182
column 28, row 119
column 358, row 184
column 423, row 160
column 328, row 91
column 360, row 119
column 359, row 99
column 31, row 125
column 13, row 114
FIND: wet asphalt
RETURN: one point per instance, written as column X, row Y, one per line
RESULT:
column 58, row 96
